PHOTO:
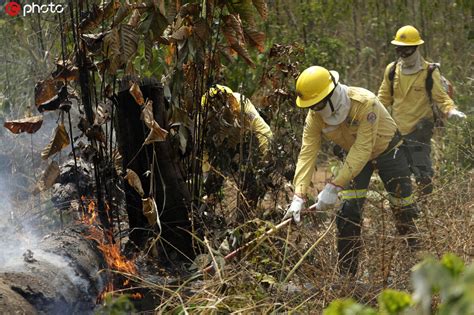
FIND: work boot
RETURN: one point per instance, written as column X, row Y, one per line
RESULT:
column 349, row 242
column 425, row 185
column 348, row 256
column 410, row 236
column 405, row 223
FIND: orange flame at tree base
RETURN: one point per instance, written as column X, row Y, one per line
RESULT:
column 111, row 251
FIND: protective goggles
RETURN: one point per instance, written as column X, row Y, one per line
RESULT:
column 321, row 104
column 405, row 51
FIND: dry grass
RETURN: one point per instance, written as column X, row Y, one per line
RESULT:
column 255, row 281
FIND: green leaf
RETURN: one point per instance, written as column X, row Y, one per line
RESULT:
column 348, row 307
column 113, row 305
column 453, row 264
column 392, row 302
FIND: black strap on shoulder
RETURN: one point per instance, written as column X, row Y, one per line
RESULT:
column 428, row 85
column 391, row 75
column 429, row 79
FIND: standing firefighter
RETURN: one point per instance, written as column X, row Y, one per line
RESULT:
column 354, row 119
column 413, row 88
column 231, row 119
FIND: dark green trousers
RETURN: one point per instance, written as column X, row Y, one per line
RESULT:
column 395, row 174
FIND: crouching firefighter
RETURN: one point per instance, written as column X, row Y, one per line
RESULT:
column 230, row 116
column 353, row 118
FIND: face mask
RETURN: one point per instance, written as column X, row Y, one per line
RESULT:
column 405, row 51
column 341, row 104
column 412, row 64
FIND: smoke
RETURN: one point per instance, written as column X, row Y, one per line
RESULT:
column 19, row 239
column 20, row 169
column 26, row 218
column 14, row 238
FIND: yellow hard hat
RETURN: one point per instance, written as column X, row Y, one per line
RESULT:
column 213, row 91
column 314, row 84
column 407, row 36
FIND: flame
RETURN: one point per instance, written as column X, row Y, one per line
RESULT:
column 91, row 216
column 111, row 250
column 136, row 296
column 108, row 290
column 115, row 260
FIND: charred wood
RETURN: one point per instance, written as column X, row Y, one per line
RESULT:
column 58, row 276
column 171, row 193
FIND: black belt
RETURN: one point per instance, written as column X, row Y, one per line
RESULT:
column 397, row 137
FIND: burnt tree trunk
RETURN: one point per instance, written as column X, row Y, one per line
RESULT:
column 172, row 195
column 57, row 276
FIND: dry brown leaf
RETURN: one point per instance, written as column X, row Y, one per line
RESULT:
column 190, row 73
column 262, row 8
column 95, row 132
column 97, row 15
column 109, row 91
column 111, row 49
column 110, row 8
column 201, row 29
column 189, row 9
column 66, row 71
column 234, row 34
column 46, row 90
column 134, row 181
column 172, row 10
column 137, row 94
column 181, row 33
column 150, row 210
column 118, row 161
column 29, row 124
column 55, row 102
column 232, row 30
column 59, row 142
column 92, row 19
column 48, row 179
column 103, row 113
column 128, row 43
column 156, row 132
column 256, row 38
column 94, row 42
column 135, row 18
column 242, row 52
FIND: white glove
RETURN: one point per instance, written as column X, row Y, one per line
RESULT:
column 456, row 113
column 327, row 198
column 295, row 209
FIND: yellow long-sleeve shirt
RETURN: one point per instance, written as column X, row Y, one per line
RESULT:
column 255, row 123
column 410, row 102
column 365, row 134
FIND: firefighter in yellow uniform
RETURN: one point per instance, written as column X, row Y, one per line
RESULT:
column 225, row 122
column 354, row 119
column 411, row 87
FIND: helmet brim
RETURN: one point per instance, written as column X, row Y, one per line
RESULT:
column 398, row 43
column 311, row 101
